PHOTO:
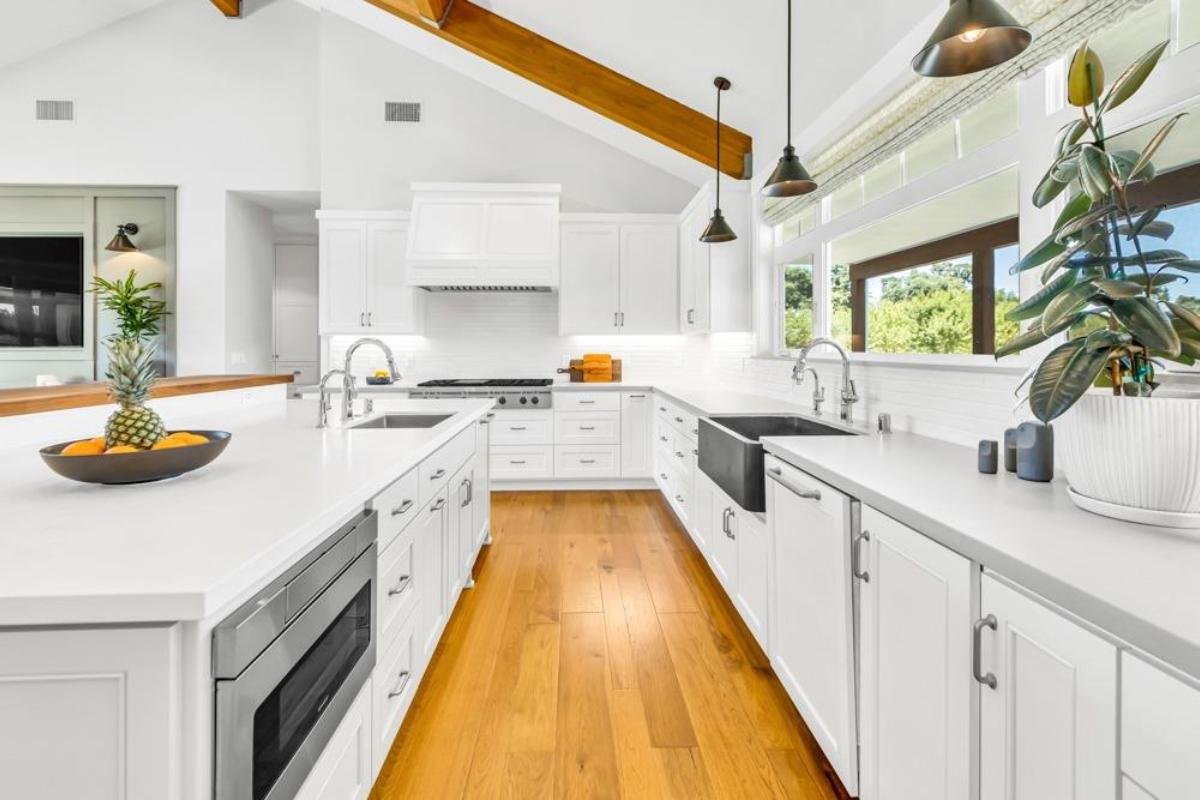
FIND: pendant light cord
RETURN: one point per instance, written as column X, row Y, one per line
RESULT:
column 789, row 74
column 718, row 148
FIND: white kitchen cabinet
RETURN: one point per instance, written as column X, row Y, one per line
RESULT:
column 753, row 563
column 701, row 523
column 1048, row 726
column 588, row 295
column 345, row 769
column 914, row 653
column 363, row 285
column 649, row 267
column 587, row 427
column 430, row 559
column 723, row 553
column 460, row 523
column 619, row 277
column 715, row 279
column 1160, row 732
column 483, row 481
column 637, row 426
column 397, row 675
column 98, row 710
column 812, row 638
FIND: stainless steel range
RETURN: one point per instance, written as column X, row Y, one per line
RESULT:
column 509, row 393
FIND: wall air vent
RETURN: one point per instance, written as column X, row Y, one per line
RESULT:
column 401, row 112
column 498, row 289
column 56, row 109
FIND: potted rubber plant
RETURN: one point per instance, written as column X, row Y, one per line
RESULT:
column 1104, row 270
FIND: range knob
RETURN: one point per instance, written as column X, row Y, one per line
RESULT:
column 533, row 400
column 524, row 400
column 502, row 400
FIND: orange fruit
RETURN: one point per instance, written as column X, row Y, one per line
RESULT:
column 191, row 438
column 87, row 447
column 121, row 448
column 168, row 442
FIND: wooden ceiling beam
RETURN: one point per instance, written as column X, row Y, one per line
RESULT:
column 230, row 8
column 579, row 79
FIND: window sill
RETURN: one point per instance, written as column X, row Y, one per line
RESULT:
column 974, row 363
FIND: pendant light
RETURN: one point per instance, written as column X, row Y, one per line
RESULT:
column 790, row 178
column 974, row 35
column 718, row 229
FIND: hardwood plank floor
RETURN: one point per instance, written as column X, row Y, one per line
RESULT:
column 598, row 657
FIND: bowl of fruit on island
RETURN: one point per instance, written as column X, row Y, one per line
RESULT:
column 136, row 447
column 381, row 377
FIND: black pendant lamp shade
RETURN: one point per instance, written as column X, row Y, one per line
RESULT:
column 718, row 229
column 974, row 35
column 121, row 243
column 790, row 178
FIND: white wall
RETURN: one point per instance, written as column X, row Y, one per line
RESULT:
column 468, row 132
column 249, row 285
column 179, row 96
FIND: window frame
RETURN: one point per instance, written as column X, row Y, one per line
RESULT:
column 779, row 300
column 980, row 243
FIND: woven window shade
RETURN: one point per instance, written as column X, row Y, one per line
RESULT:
column 927, row 103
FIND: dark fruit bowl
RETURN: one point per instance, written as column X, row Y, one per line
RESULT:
column 140, row 467
column 373, row 381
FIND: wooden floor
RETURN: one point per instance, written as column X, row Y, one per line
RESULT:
column 598, row 657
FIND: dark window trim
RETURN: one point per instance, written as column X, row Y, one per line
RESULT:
column 1175, row 188
column 980, row 243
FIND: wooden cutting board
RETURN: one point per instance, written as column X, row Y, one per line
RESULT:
column 576, row 370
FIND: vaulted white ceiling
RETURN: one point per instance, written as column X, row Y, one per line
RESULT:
column 27, row 28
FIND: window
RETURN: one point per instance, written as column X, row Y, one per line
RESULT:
column 932, row 151
column 1122, row 44
column 847, row 198
column 994, row 119
column 1189, row 23
column 1179, row 190
column 881, row 179
column 936, row 298
column 840, row 307
column 1007, row 290
column 796, row 294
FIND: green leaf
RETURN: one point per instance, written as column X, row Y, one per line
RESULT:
column 1036, row 335
column 1155, row 229
column 1118, row 289
column 1039, row 255
column 1053, row 184
column 1078, row 224
column 1076, row 207
column 1066, row 305
column 1063, row 377
column 1068, row 135
column 1185, row 314
column 1036, row 304
column 1095, row 172
column 1158, row 257
column 1148, row 324
column 1189, row 342
column 1085, row 78
column 1132, row 78
column 1087, row 323
column 1154, row 144
column 1183, row 264
column 1125, row 161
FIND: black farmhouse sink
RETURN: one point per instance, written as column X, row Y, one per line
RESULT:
column 731, row 454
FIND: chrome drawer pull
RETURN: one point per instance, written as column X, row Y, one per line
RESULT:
column 662, row 438
column 401, row 686
column 587, row 461
column 402, row 508
column 862, row 575
column 695, row 452
column 439, row 505
column 400, row 586
column 517, row 427
column 988, row 680
column 516, row 463
column 587, row 402
column 639, row 396
column 678, row 454
column 776, row 474
column 679, row 420
column 679, row 499
column 587, row 427
column 441, row 473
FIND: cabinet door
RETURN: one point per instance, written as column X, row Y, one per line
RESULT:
column 723, row 554
column 694, row 270
column 750, row 531
column 392, row 305
column 458, row 533
column 1160, row 732
column 345, row 770
column 649, row 278
column 702, row 512
column 296, row 304
column 637, row 426
column 464, row 505
column 915, row 655
column 429, row 553
column 812, row 643
column 482, row 487
column 1049, row 727
column 343, row 268
column 588, row 300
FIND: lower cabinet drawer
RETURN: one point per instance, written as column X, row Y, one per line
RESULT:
column 585, row 427
column 522, row 428
column 515, row 463
column 346, row 768
column 395, row 683
column 397, row 507
column 587, row 461
column 396, row 595
column 434, row 472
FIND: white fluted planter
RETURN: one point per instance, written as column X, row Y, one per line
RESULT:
column 1134, row 458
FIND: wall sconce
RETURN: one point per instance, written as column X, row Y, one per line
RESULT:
column 120, row 243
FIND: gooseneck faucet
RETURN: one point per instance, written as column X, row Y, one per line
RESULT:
column 351, row 391
column 818, row 390
column 323, row 396
column 849, row 394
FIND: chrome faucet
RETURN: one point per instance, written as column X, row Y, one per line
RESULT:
column 351, row 391
column 849, row 394
column 323, row 396
column 818, row 390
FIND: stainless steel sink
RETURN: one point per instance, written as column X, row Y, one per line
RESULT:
column 732, row 455
column 401, row 421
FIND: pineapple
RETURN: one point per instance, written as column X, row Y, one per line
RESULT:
column 131, row 373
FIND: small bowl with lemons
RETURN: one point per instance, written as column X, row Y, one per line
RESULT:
column 93, row 461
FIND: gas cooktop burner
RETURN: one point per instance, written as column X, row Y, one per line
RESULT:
column 497, row 382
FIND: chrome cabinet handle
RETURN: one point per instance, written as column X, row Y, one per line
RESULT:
column 662, row 438
column 370, row 319
column 517, row 428
column 638, row 396
column 725, row 522
column 587, row 402
column 691, row 316
column 439, row 505
column 441, row 473
column 587, row 461
column 663, row 475
column 401, row 686
column 587, row 427
column 678, row 454
column 362, row 319
column 988, row 680
column 622, row 319
column 466, row 484
column 695, row 451
column 776, row 474
column 400, row 586
column 516, row 463
column 663, row 409
column 616, row 319
column 402, row 508
column 679, row 498
column 679, row 420
column 862, row 575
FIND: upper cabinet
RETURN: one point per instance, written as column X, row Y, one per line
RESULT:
column 484, row 235
column 363, row 281
column 618, row 275
column 715, row 279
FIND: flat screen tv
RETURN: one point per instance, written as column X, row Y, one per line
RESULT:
column 41, row 291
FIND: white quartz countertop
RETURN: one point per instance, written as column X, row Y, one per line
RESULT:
column 1138, row 582
column 186, row 548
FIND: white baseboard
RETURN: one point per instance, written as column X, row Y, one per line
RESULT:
column 551, row 485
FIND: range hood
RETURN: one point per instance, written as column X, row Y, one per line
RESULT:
column 484, row 237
